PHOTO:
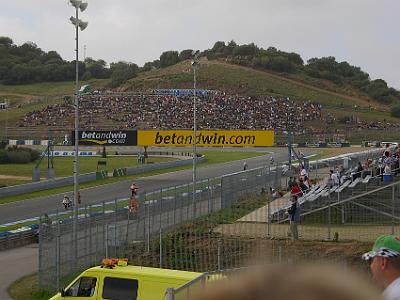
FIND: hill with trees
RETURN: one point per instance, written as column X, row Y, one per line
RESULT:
column 28, row 63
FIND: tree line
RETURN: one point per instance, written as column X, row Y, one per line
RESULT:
column 29, row 64
column 327, row 68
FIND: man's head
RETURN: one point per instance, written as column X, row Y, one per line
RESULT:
column 384, row 259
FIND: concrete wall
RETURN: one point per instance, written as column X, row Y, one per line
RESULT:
column 54, row 183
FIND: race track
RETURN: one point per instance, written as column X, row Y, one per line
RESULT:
column 34, row 207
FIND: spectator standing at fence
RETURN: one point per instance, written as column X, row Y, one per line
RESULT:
column 291, row 182
column 337, row 172
column 395, row 163
column 384, row 261
column 307, row 182
column 296, row 191
column 358, row 171
column 303, row 172
column 294, row 217
column 275, row 194
column 303, row 186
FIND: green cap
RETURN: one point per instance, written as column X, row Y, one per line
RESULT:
column 385, row 246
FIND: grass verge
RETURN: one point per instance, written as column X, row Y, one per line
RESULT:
column 213, row 157
column 64, row 166
column 26, row 288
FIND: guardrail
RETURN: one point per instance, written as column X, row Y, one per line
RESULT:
column 59, row 182
column 19, row 237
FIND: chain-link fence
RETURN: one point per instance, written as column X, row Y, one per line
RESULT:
column 225, row 224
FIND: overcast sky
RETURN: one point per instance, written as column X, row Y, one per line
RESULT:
column 363, row 32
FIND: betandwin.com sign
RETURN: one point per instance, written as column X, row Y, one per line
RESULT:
column 107, row 138
column 211, row 138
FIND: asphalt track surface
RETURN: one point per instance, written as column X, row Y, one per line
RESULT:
column 35, row 207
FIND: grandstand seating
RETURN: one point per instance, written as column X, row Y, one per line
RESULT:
column 321, row 195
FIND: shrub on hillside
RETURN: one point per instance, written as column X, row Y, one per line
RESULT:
column 395, row 111
column 3, row 144
column 19, row 157
column 3, row 156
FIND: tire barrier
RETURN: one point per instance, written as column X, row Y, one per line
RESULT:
column 101, row 175
column 119, row 172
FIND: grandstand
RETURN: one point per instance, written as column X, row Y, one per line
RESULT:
column 362, row 186
column 174, row 111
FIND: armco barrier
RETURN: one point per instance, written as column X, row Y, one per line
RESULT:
column 54, row 183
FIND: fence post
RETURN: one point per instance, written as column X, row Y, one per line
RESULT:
column 280, row 254
column 219, row 242
column 269, row 218
column 160, row 248
column 58, row 254
column 329, row 218
column 393, row 192
column 115, row 227
column 90, row 234
column 209, row 196
column 161, row 211
column 149, row 226
column 170, row 294
column 106, row 239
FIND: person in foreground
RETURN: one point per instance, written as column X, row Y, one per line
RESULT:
column 288, row 282
column 384, row 261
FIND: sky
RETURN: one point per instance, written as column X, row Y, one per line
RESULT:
column 361, row 32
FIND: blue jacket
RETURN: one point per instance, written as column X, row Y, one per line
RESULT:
column 294, row 212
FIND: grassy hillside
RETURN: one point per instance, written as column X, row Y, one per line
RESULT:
column 28, row 93
column 235, row 79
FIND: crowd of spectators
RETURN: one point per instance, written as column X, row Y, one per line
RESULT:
column 214, row 111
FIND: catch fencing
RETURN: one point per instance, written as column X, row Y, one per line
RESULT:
column 224, row 224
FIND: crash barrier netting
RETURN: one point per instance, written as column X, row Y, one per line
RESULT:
column 219, row 226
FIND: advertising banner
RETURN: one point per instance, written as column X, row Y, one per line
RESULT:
column 209, row 138
column 106, row 137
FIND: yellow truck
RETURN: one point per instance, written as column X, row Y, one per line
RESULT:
column 118, row 281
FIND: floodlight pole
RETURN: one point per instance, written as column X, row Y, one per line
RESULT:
column 194, row 139
column 76, row 146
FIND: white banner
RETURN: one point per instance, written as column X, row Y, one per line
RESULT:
column 72, row 153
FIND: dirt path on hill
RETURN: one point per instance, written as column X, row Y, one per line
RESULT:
column 15, row 177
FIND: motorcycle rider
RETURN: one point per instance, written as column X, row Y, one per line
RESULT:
column 133, row 203
column 66, row 202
